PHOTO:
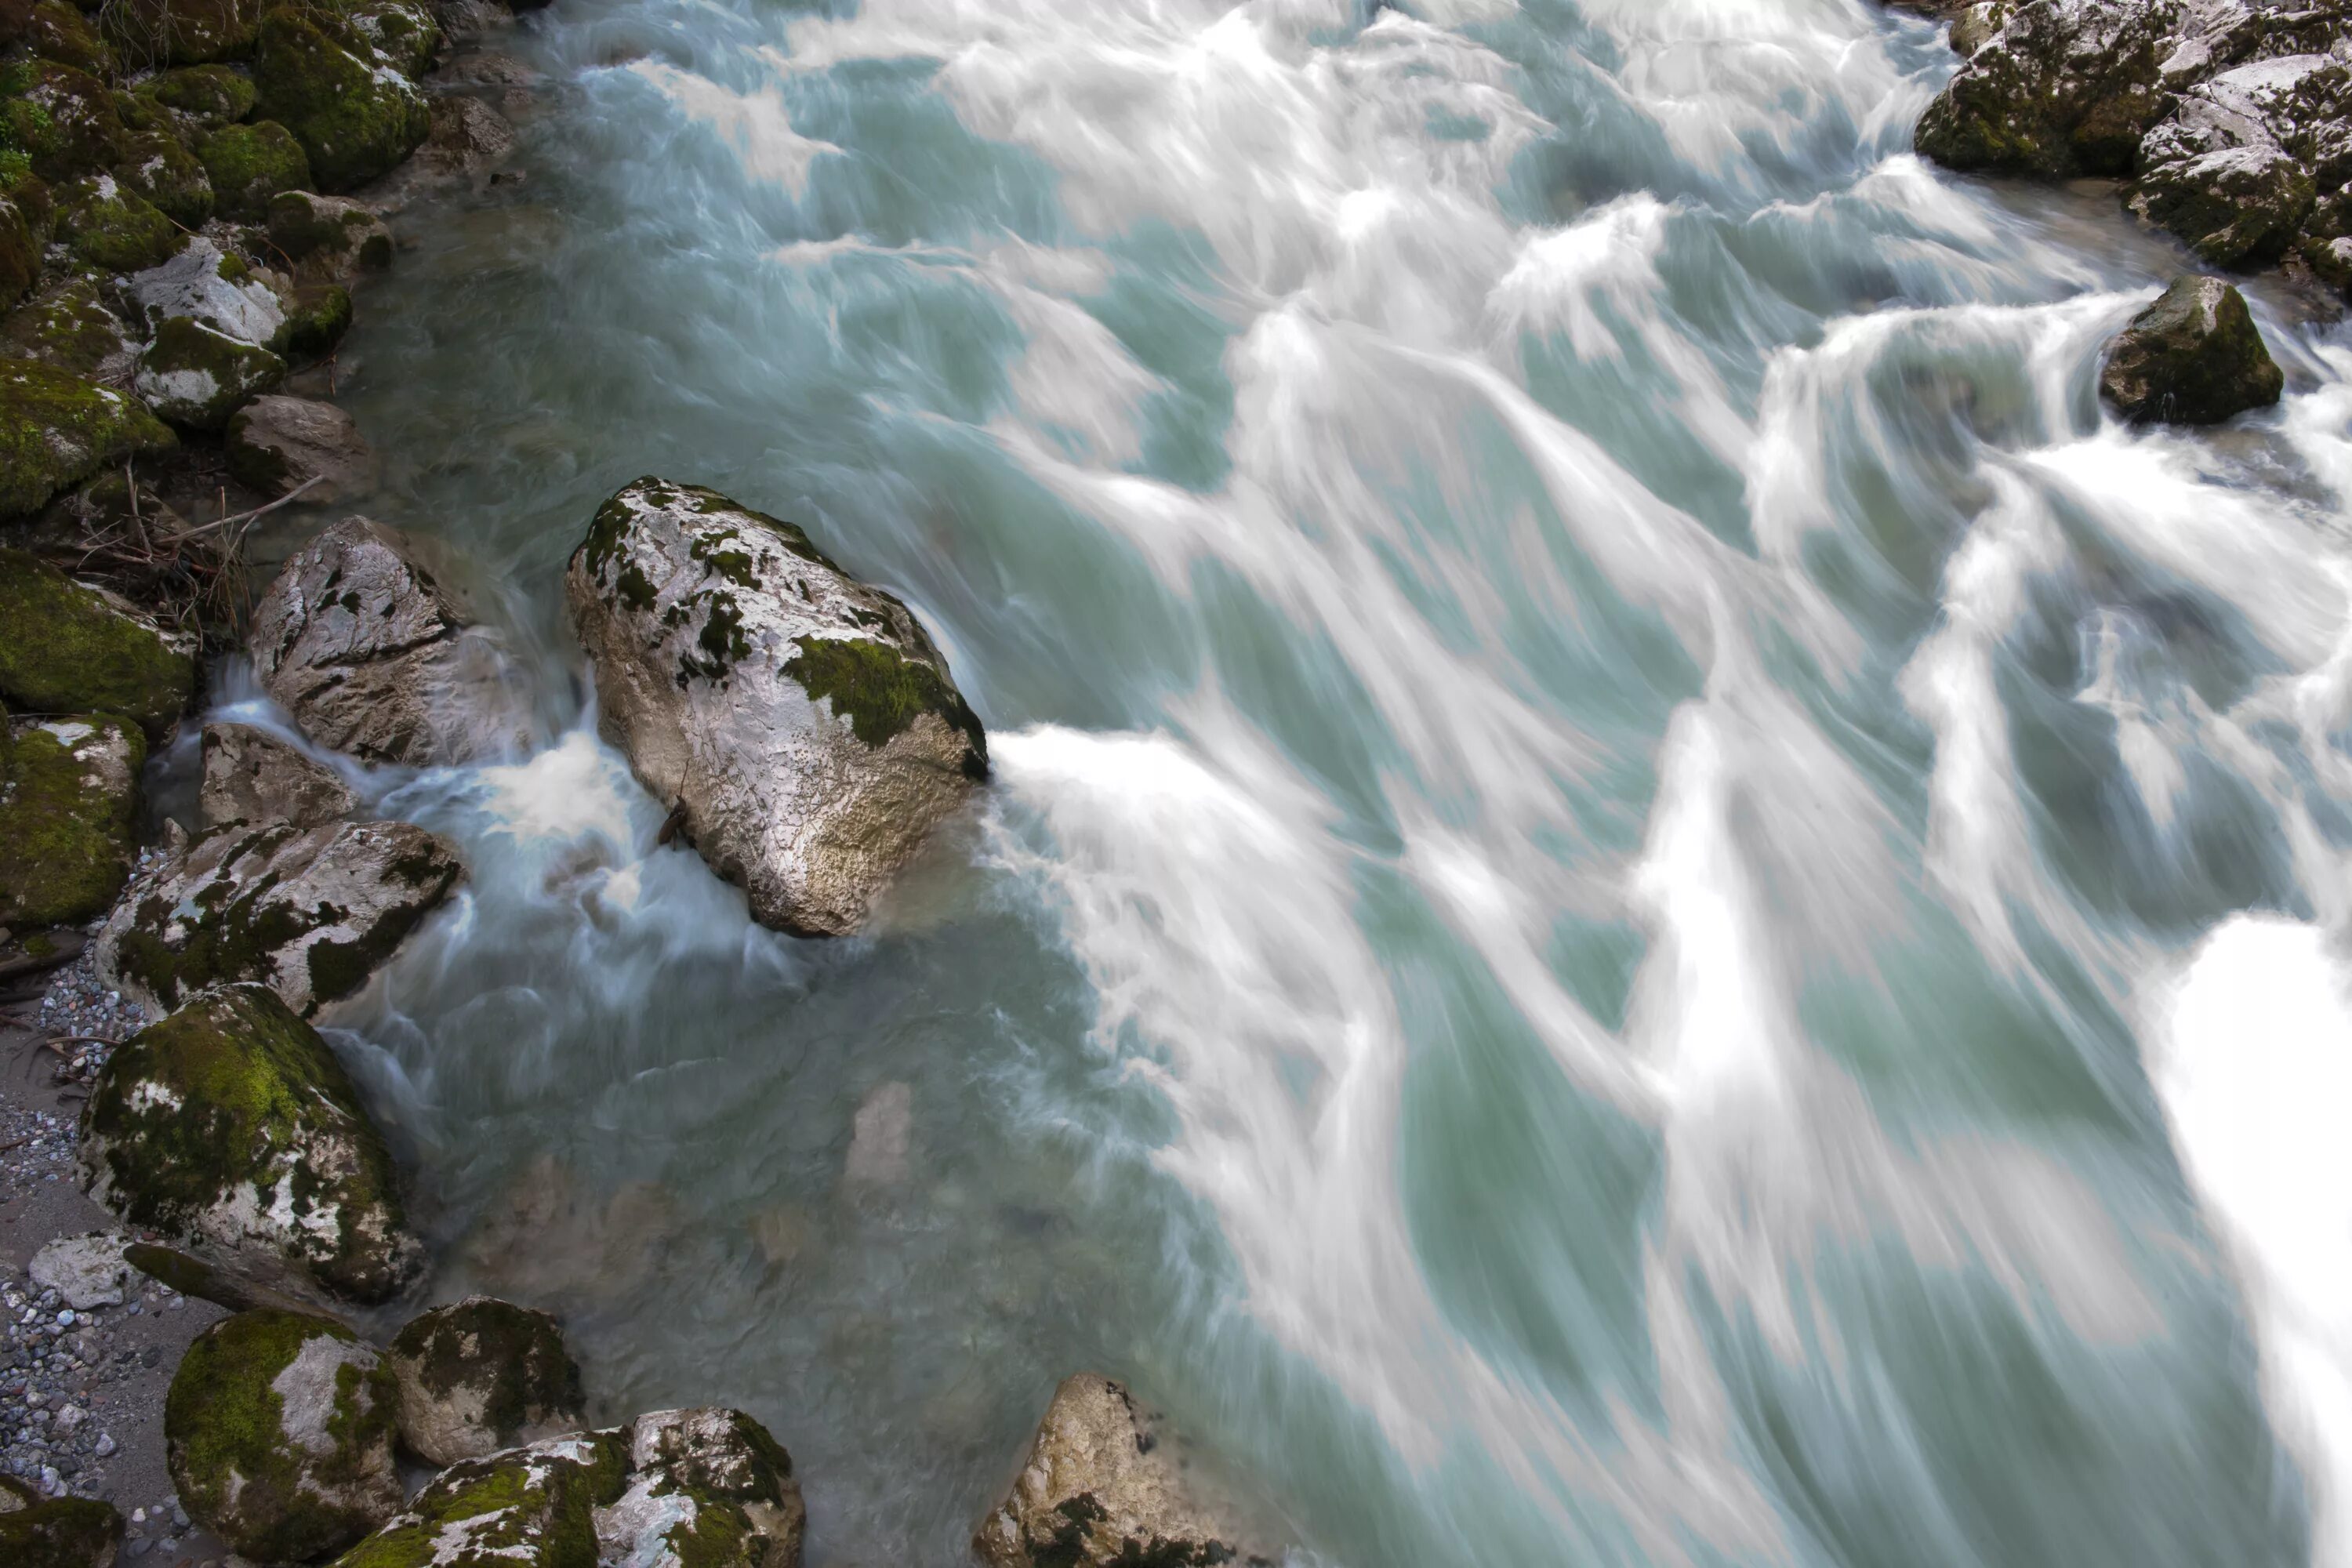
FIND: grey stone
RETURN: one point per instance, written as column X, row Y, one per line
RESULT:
column 278, row 444
column 251, row 776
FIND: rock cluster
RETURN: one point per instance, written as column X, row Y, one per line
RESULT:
column 2232, row 120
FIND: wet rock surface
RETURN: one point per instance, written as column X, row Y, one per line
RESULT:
column 2193, row 357
column 253, row 777
column 802, row 724
column 279, row 445
column 482, row 1374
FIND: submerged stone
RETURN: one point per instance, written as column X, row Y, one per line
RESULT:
column 803, row 722
column 230, row 1126
column 482, row 1375
column 1102, row 1487
column 355, row 117
column 71, row 648
column 196, row 377
column 2194, row 357
column 68, row 800
column 278, row 1432
column 252, row 777
column 56, row 430
column 311, row 912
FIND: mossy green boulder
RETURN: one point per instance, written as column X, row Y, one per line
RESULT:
column 196, row 377
column 2194, row 357
column 277, row 1433
column 206, row 96
column 157, row 166
column 330, row 238
column 57, row 429
column 111, row 227
column 481, row 1375
column 311, row 912
column 355, row 118
column 708, row 1489
column 250, row 164
column 528, row 1508
column 63, row 120
column 69, row 647
column 20, row 251
column 183, row 32
column 68, row 801
column 56, row 1532
column 401, row 32
column 229, row 1127
column 71, row 327
column 59, row 33
column 316, row 319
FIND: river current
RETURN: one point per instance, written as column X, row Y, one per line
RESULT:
column 1647, row 897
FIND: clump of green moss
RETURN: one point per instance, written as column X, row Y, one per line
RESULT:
column 60, row 1532
column 168, row 175
column 68, row 648
column 196, row 377
column 250, row 165
column 533, row 1506
column 316, row 320
column 338, row 233
column 407, row 35
column 278, row 1483
column 234, row 1094
column 68, row 796
column 62, row 120
column 209, row 96
column 354, row 122
column 56, row 32
column 57, row 429
column 111, row 227
column 881, row 692
column 69, row 327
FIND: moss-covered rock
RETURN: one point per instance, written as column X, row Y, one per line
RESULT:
column 250, row 164
column 20, row 252
column 69, row 647
column 401, row 32
column 230, row 1127
column 62, row 120
column 709, row 1489
column 528, row 1508
column 57, row 429
column 329, row 238
column 158, row 167
column 2194, row 357
column 310, row 913
column 213, row 287
column 196, row 377
column 60, row 1532
column 482, row 1375
column 316, row 319
column 354, row 115
column 59, row 33
column 204, row 97
column 2056, row 89
column 68, row 796
column 71, row 327
column 183, row 32
column 114, row 228
column 278, row 1432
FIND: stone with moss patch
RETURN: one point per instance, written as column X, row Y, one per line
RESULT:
column 230, row 1127
column 317, row 316
column 250, row 165
column 197, row 377
column 252, row 777
column 329, row 238
column 109, row 226
column 528, row 1508
column 204, row 97
column 72, row 648
column 804, row 721
column 59, row 1532
column 313, row 913
column 57, row 429
column 71, row 327
column 57, row 32
column 401, row 32
column 168, row 175
column 20, row 250
column 213, row 287
column 63, row 121
column 2194, row 357
column 278, row 1432
column 356, row 117
column 183, row 32
column 481, row 1375
column 68, row 798
column 709, row 1489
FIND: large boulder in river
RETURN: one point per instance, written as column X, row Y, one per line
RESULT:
column 801, row 720
column 71, row 648
column 525, row 1508
column 231, row 1128
column 367, row 640
column 251, row 776
column 57, row 429
column 2194, row 357
column 481, row 1375
column 2061, row 88
column 68, row 798
column 310, row 912
column 277, row 1433
column 1102, row 1487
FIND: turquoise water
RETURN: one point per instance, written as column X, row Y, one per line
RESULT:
column 1647, row 899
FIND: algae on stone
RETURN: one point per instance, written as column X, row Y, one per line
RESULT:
column 64, row 121
column 109, row 226
column 68, row 798
column 56, row 430
column 197, row 377
column 328, row 237
column 355, row 118
column 59, row 33
column 316, row 319
column 69, row 647
column 250, row 165
column 231, row 1126
column 527, row 1507
column 277, row 1433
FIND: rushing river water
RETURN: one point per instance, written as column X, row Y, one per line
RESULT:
column 1647, row 898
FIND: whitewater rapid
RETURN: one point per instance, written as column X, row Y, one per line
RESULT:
column 1648, row 897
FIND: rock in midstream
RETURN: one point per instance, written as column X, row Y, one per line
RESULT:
column 802, row 722
column 2193, row 357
